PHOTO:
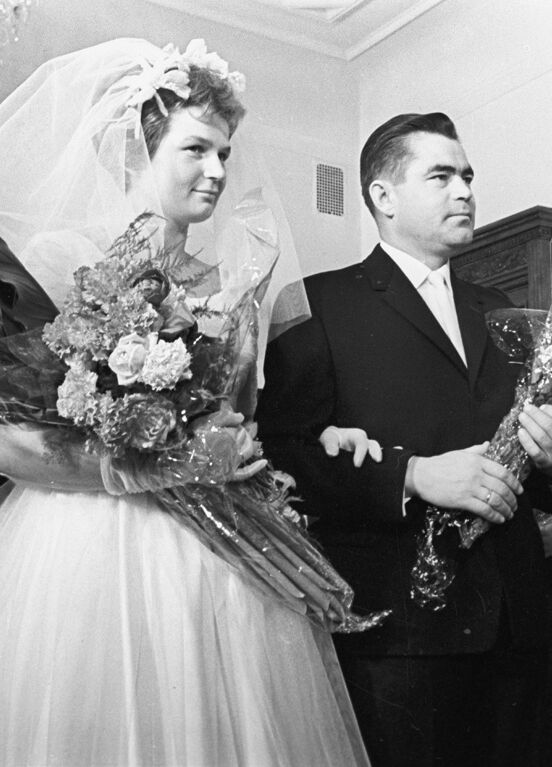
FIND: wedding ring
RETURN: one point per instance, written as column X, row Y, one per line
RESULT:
column 488, row 498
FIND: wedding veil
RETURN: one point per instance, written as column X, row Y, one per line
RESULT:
column 75, row 161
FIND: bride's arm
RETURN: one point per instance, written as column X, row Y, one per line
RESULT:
column 27, row 458
column 333, row 439
column 221, row 450
column 28, row 455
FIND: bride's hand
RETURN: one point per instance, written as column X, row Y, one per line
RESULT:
column 356, row 441
column 244, row 438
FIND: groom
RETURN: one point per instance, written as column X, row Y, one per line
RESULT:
column 398, row 346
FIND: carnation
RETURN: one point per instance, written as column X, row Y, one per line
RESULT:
column 77, row 395
column 166, row 364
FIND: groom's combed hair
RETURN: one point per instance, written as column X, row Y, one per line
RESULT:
column 208, row 91
column 386, row 150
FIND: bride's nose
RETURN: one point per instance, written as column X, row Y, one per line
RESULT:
column 214, row 167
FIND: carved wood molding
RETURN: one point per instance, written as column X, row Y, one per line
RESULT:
column 487, row 266
column 514, row 254
column 477, row 250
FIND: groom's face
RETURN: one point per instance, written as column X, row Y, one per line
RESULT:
column 433, row 203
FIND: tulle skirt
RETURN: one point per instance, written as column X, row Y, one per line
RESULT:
column 126, row 642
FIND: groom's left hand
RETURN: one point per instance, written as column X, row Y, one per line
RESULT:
column 535, row 435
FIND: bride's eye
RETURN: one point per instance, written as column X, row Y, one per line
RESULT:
column 197, row 149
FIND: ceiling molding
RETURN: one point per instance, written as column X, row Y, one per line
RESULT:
column 344, row 32
column 250, row 25
column 385, row 31
column 332, row 12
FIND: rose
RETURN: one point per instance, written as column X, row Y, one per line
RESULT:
column 128, row 357
column 176, row 314
column 154, row 285
column 151, row 418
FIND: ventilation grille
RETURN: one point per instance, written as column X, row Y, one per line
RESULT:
column 329, row 190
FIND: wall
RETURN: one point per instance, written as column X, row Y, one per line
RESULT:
column 302, row 106
column 488, row 64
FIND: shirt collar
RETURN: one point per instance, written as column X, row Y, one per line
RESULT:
column 413, row 269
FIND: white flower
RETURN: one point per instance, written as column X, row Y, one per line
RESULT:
column 166, row 364
column 196, row 54
column 128, row 357
column 237, row 81
column 169, row 72
column 77, row 394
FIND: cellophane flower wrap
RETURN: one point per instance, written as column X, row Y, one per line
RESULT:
column 525, row 336
column 136, row 362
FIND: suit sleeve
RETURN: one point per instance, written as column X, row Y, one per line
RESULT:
column 297, row 403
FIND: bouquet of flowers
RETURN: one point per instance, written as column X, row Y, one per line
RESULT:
column 137, row 367
column 526, row 337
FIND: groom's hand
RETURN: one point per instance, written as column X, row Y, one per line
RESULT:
column 464, row 480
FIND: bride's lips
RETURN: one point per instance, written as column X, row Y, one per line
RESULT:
column 462, row 219
column 211, row 194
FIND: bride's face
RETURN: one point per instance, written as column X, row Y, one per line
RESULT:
column 189, row 166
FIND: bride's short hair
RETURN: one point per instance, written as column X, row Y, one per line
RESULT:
column 207, row 90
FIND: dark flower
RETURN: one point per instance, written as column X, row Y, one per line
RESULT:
column 151, row 420
column 141, row 421
column 154, row 285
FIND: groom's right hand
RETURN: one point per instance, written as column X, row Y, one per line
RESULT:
column 464, row 480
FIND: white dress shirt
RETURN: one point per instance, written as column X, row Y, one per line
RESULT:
column 435, row 288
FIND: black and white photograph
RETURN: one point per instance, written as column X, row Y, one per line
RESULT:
column 275, row 383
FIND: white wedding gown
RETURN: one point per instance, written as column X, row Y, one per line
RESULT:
column 126, row 642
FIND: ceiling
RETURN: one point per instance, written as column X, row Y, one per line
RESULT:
column 343, row 29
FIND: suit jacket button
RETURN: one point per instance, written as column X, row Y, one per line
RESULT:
column 467, row 631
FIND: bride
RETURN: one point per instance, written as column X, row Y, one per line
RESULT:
column 124, row 640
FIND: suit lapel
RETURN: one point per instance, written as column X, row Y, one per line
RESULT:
column 397, row 290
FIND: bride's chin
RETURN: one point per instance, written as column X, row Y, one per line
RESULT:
column 202, row 215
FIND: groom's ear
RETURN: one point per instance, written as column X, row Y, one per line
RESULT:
column 381, row 193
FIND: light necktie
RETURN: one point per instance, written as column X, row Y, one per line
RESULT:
column 438, row 296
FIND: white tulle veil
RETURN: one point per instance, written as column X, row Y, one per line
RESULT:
column 75, row 162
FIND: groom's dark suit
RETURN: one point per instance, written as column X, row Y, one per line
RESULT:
column 373, row 356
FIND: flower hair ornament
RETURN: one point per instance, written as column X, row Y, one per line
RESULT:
column 172, row 72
